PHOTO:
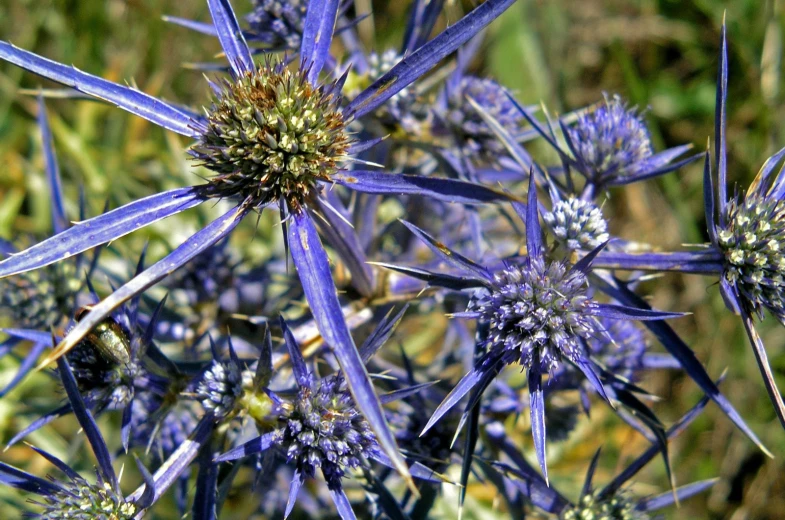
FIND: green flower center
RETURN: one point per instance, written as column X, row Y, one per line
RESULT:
column 272, row 136
column 616, row 507
column 754, row 246
column 84, row 501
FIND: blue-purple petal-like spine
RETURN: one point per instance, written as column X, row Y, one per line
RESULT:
column 313, row 268
column 317, row 35
column 231, row 37
column 143, row 105
column 537, row 409
column 294, row 489
column 763, row 364
column 446, row 190
column 88, row 424
column 59, row 220
column 720, row 116
column 101, row 229
column 424, row 58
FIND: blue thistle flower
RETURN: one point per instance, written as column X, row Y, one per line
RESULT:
column 537, row 312
column 612, row 502
column 291, row 124
column 611, row 140
column 320, row 427
column 577, row 224
column 747, row 234
column 76, row 498
column 609, row 145
column 462, row 118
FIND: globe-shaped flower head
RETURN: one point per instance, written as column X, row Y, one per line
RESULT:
column 592, row 506
column 322, row 429
column 752, row 238
column 464, row 121
column 609, row 145
column 577, row 224
column 538, row 313
column 748, row 234
column 272, row 136
column 611, row 140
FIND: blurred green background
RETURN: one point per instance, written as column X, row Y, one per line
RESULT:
column 660, row 54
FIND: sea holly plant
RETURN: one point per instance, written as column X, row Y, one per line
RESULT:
column 747, row 240
column 613, row 501
column 319, row 427
column 273, row 136
column 609, row 145
column 539, row 314
column 42, row 299
column 75, row 497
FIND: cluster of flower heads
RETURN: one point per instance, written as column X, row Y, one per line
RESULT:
column 184, row 349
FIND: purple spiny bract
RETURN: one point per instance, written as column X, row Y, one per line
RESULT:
column 323, row 429
column 465, row 122
column 534, row 306
column 611, row 140
column 753, row 243
column 271, row 136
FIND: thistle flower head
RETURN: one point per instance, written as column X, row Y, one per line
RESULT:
column 278, row 23
column 272, row 136
column 753, row 242
column 220, row 388
column 322, row 428
column 80, row 500
column 39, row 299
column 577, row 224
column 468, row 126
column 538, row 308
column 611, row 140
column 618, row 506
